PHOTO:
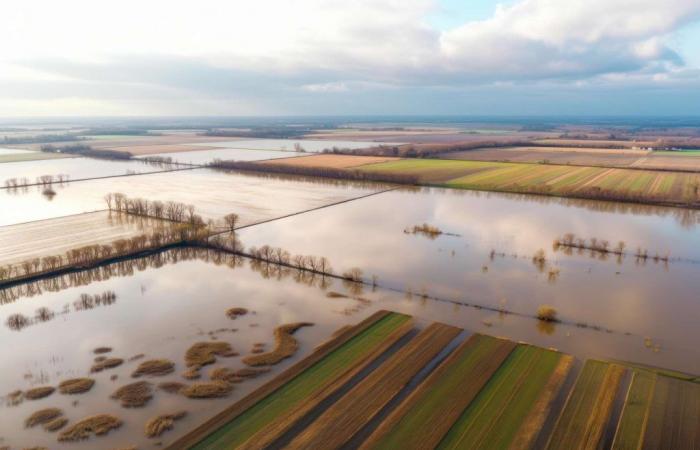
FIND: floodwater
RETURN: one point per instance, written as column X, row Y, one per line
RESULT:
column 308, row 145
column 12, row 151
column 201, row 157
column 73, row 168
column 163, row 307
column 646, row 299
column 214, row 193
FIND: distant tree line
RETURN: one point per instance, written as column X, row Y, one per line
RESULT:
column 424, row 150
column 324, row 172
column 87, row 151
column 40, row 139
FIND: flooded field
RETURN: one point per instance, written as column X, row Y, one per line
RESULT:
column 12, row 151
column 289, row 145
column 170, row 302
column 488, row 255
column 214, row 193
column 72, row 169
column 228, row 154
column 56, row 236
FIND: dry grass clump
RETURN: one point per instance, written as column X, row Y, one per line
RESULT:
column 203, row 353
column 211, row 389
column 171, row 387
column 547, row 313
column 233, row 313
column 191, row 374
column 426, row 230
column 134, row 395
column 14, row 398
column 106, row 363
column 285, row 346
column 55, row 424
column 76, row 385
column 160, row 424
column 39, row 392
column 99, row 424
column 236, row 376
column 42, row 416
column 100, row 350
column 154, row 367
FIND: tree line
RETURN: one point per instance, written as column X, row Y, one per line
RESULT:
column 173, row 211
column 86, row 150
column 87, row 255
column 324, row 172
column 43, row 180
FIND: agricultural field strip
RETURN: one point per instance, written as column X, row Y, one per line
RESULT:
column 547, row 178
column 496, row 416
column 337, row 425
column 51, row 237
column 298, row 389
column 674, row 415
column 423, row 419
column 582, row 422
column 635, row 412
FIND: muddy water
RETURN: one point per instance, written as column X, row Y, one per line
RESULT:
column 214, row 194
column 645, row 299
column 162, row 311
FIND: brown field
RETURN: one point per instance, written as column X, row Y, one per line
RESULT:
column 50, row 237
column 330, row 161
column 348, row 415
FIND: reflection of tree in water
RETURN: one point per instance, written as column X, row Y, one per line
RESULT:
column 18, row 322
column 546, row 327
column 129, row 267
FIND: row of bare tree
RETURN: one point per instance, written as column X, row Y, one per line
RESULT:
column 602, row 246
column 173, row 211
column 91, row 254
column 43, row 180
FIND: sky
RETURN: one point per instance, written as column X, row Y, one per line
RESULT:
column 339, row 57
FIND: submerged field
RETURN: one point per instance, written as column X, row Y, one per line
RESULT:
column 52, row 237
column 214, row 193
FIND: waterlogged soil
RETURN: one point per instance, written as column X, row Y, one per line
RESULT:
column 647, row 299
column 201, row 157
column 213, row 193
column 163, row 311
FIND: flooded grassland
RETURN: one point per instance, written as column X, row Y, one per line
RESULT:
column 157, row 308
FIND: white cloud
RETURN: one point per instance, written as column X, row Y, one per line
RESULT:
column 243, row 49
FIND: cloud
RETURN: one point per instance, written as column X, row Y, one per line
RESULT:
column 276, row 52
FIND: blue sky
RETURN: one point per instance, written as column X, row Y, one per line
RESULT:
column 316, row 57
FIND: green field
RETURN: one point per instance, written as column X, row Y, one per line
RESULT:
column 303, row 386
column 678, row 153
column 444, row 395
column 588, row 408
column 630, row 429
column 560, row 180
column 494, row 418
